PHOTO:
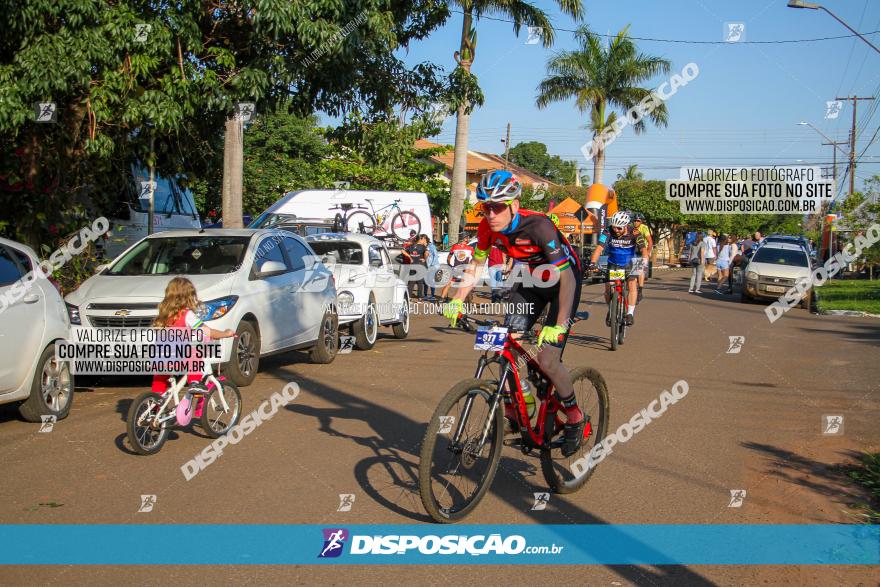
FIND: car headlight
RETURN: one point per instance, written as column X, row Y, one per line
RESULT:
column 345, row 298
column 752, row 276
column 73, row 314
column 218, row 308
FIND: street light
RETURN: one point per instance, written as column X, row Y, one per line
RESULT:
column 814, row 6
column 823, row 134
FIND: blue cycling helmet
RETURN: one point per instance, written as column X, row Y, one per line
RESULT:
column 499, row 186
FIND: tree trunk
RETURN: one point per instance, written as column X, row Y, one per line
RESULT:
column 599, row 164
column 459, row 174
column 233, row 161
column 465, row 58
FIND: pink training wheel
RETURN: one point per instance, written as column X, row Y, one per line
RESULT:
column 185, row 410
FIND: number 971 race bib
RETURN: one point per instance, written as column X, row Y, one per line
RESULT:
column 617, row 274
column 490, row 339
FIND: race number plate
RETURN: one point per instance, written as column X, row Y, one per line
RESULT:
column 617, row 274
column 490, row 339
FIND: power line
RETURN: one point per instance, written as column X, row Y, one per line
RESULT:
column 689, row 42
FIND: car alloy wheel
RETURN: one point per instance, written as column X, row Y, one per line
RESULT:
column 55, row 384
column 246, row 354
column 371, row 323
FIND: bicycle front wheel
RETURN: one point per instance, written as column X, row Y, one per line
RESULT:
column 362, row 222
column 460, row 451
column 621, row 321
column 403, row 222
column 145, row 434
column 215, row 420
column 568, row 474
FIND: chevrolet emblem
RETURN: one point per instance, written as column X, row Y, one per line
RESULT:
column 122, row 313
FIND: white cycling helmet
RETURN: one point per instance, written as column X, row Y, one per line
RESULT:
column 619, row 219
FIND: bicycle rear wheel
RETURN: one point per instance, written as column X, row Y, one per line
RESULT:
column 215, row 420
column 562, row 473
column 454, row 470
column 144, row 434
column 403, row 222
column 362, row 222
column 615, row 317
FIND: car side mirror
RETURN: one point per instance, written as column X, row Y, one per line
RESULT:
column 376, row 263
column 270, row 268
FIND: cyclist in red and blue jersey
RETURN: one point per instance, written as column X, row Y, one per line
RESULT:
column 530, row 238
column 621, row 241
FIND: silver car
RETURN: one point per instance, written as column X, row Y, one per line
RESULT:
column 32, row 319
column 260, row 283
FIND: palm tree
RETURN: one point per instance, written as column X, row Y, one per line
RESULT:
column 632, row 172
column 602, row 78
column 522, row 13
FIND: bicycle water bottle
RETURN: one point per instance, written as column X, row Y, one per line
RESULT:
column 527, row 394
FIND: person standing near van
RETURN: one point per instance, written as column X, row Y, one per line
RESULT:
column 433, row 263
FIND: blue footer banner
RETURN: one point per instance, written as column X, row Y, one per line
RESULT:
column 266, row 544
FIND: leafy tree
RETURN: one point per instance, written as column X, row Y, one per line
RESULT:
column 602, row 77
column 466, row 90
column 285, row 152
column 157, row 82
column 631, row 172
column 534, row 157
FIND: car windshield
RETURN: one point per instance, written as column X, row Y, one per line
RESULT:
column 775, row 256
column 191, row 255
column 343, row 252
column 269, row 220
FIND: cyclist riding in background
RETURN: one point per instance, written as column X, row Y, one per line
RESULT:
column 532, row 239
column 620, row 240
column 639, row 223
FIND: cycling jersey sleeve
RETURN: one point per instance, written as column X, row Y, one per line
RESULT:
column 551, row 243
column 484, row 238
column 603, row 238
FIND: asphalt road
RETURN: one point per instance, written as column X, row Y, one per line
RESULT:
column 752, row 420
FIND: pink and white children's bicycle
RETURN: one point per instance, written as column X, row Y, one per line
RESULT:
column 152, row 415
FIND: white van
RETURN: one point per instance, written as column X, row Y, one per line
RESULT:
column 381, row 214
column 173, row 209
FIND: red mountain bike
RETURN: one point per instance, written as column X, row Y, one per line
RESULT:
column 462, row 445
column 617, row 306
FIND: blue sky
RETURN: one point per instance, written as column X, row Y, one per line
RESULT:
column 742, row 109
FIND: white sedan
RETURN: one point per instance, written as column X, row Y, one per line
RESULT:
column 369, row 293
column 259, row 283
column 32, row 319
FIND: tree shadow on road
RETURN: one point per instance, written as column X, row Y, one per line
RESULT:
column 825, row 479
column 390, row 475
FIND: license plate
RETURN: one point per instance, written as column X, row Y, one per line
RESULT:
column 774, row 288
column 617, row 274
column 490, row 339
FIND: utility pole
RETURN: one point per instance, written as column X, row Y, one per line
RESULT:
column 835, row 144
column 507, row 148
column 852, row 141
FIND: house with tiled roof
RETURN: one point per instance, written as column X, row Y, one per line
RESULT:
column 477, row 165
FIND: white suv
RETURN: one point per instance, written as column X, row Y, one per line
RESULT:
column 369, row 293
column 258, row 283
column 774, row 269
column 32, row 318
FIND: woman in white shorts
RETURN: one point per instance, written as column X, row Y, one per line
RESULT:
column 725, row 254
